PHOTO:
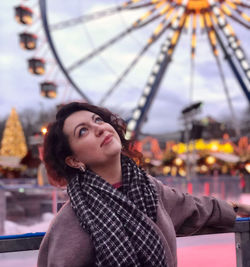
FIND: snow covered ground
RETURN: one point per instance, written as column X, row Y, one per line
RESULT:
column 12, row 228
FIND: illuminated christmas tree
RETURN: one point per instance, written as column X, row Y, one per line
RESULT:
column 13, row 143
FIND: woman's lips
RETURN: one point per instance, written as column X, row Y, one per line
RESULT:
column 107, row 140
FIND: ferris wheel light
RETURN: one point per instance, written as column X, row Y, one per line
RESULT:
column 137, row 114
column 142, row 101
column 175, row 24
column 244, row 64
column 131, row 125
column 171, row 34
column 239, row 54
column 226, row 31
column 161, row 57
column 231, row 39
column 216, row 11
column 166, row 43
column 156, row 68
column 151, row 79
column 164, row 48
column 234, row 45
column 146, row 90
column 248, row 74
column 128, row 135
column 221, row 21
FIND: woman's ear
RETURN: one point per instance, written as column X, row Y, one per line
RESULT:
column 72, row 162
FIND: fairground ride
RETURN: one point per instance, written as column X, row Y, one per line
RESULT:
column 123, row 42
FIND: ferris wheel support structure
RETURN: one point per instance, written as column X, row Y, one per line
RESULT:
column 43, row 7
column 157, row 74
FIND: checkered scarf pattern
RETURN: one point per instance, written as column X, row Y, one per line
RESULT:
column 116, row 221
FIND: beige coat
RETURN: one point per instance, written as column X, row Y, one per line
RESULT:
column 67, row 245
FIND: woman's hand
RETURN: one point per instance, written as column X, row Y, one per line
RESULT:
column 242, row 210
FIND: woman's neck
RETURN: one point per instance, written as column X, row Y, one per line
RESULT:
column 111, row 171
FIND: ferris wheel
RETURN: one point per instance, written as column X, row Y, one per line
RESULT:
column 128, row 46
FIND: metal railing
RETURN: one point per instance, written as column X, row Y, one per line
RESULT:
column 32, row 241
column 223, row 187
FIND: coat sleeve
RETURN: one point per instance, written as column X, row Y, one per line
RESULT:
column 65, row 243
column 191, row 214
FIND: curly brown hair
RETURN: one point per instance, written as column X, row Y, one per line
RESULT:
column 56, row 145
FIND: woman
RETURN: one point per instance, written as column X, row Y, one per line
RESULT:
column 117, row 214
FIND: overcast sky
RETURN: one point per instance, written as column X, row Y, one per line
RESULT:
column 20, row 89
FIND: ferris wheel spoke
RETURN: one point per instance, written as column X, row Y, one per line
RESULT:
column 240, row 3
column 233, row 42
column 136, row 25
column 150, row 3
column 202, row 22
column 238, row 10
column 154, row 37
column 95, row 52
column 156, row 75
column 192, row 59
column 193, row 41
column 228, row 12
column 97, row 15
column 229, row 100
column 225, row 88
column 86, row 18
column 239, row 55
column 168, row 10
column 124, row 74
column 211, row 33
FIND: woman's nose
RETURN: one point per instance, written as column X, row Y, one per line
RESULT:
column 99, row 130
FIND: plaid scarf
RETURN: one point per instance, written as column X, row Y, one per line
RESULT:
column 116, row 221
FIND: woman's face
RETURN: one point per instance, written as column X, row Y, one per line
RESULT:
column 92, row 141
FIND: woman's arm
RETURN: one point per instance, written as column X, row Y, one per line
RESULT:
column 191, row 214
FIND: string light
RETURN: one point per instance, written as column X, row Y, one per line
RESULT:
column 44, row 130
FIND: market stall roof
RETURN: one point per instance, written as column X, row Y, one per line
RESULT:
column 226, row 157
column 192, row 157
column 10, row 162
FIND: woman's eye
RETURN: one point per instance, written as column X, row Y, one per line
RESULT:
column 82, row 131
column 98, row 120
